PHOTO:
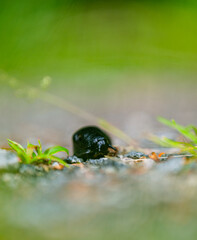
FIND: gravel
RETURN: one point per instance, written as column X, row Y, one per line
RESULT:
column 110, row 198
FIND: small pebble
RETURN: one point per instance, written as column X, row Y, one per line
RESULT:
column 8, row 160
column 135, row 155
column 73, row 159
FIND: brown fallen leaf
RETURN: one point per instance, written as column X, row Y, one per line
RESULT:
column 160, row 154
column 57, row 166
column 81, row 165
column 154, row 157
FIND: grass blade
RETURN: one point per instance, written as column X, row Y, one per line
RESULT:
column 56, row 149
column 185, row 131
column 46, row 157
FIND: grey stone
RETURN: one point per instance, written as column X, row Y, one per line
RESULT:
column 8, row 160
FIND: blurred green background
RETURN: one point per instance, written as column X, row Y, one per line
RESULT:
column 76, row 38
column 126, row 61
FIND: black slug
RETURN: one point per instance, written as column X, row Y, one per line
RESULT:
column 91, row 143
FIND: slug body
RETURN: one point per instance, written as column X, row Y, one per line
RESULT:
column 91, row 143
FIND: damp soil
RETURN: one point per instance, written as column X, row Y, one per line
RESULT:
column 134, row 195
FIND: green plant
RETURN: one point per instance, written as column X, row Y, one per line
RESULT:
column 189, row 133
column 34, row 153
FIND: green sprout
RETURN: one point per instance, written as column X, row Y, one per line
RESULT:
column 189, row 133
column 34, row 154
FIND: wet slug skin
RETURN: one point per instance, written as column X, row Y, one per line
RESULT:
column 91, row 143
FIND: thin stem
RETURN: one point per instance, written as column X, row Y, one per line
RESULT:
column 65, row 105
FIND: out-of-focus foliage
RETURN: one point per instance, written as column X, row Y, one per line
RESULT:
column 189, row 132
column 73, row 37
column 34, row 153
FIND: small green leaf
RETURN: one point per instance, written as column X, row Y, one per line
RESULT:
column 15, row 146
column 49, row 158
column 23, row 157
column 59, row 160
column 19, row 150
column 40, row 146
column 56, row 149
